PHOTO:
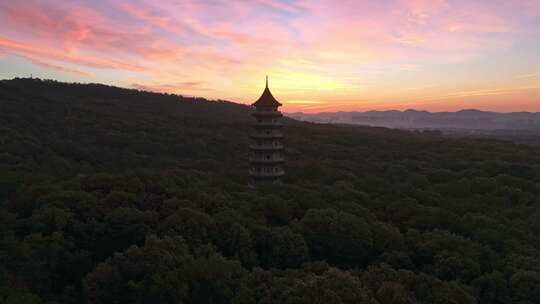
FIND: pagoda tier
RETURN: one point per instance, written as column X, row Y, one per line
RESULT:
column 266, row 147
column 258, row 174
column 266, row 156
column 266, row 134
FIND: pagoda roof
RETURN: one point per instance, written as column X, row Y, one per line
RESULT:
column 266, row 99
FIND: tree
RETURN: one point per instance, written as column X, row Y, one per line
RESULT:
column 340, row 238
column 281, row 248
column 525, row 286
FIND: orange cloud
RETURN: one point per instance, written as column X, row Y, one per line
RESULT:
column 408, row 67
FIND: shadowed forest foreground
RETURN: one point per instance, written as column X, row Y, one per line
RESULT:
column 111, row 195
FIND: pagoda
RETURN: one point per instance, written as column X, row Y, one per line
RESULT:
column 267, row 148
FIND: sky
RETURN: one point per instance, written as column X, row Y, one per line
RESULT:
column 320, row 55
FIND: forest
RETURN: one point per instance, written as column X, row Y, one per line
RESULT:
column 111, row 195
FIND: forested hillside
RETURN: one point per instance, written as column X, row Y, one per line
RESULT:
column 110, row 195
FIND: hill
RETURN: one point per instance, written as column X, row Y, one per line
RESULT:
column 411, row 119
column 111, row 195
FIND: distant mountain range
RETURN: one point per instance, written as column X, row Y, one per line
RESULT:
column 412, row 119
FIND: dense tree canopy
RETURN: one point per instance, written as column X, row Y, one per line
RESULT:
column 111, row 195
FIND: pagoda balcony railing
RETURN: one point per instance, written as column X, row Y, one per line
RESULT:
column 266, row 147
column 268, row 124
column 263, row 173
column 265, row 160
column 264, row 135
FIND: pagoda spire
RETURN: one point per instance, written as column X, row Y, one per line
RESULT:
column 266, row 99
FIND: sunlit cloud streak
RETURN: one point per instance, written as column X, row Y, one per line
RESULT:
column 525, row 76
column 171, row 88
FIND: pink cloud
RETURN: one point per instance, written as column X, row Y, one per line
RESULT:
column 287, row 6
column 534, row 4
column 407, row 30
column 154, row 18
column 33, row 52
column 86, row 30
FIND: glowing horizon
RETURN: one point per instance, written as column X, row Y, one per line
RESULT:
column 434, row 55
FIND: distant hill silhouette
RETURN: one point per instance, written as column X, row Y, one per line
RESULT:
column 468, row 119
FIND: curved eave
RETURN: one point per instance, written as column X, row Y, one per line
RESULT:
column 267, row 100
column 266, row 104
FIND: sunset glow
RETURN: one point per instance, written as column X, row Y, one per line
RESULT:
column 433, row 55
